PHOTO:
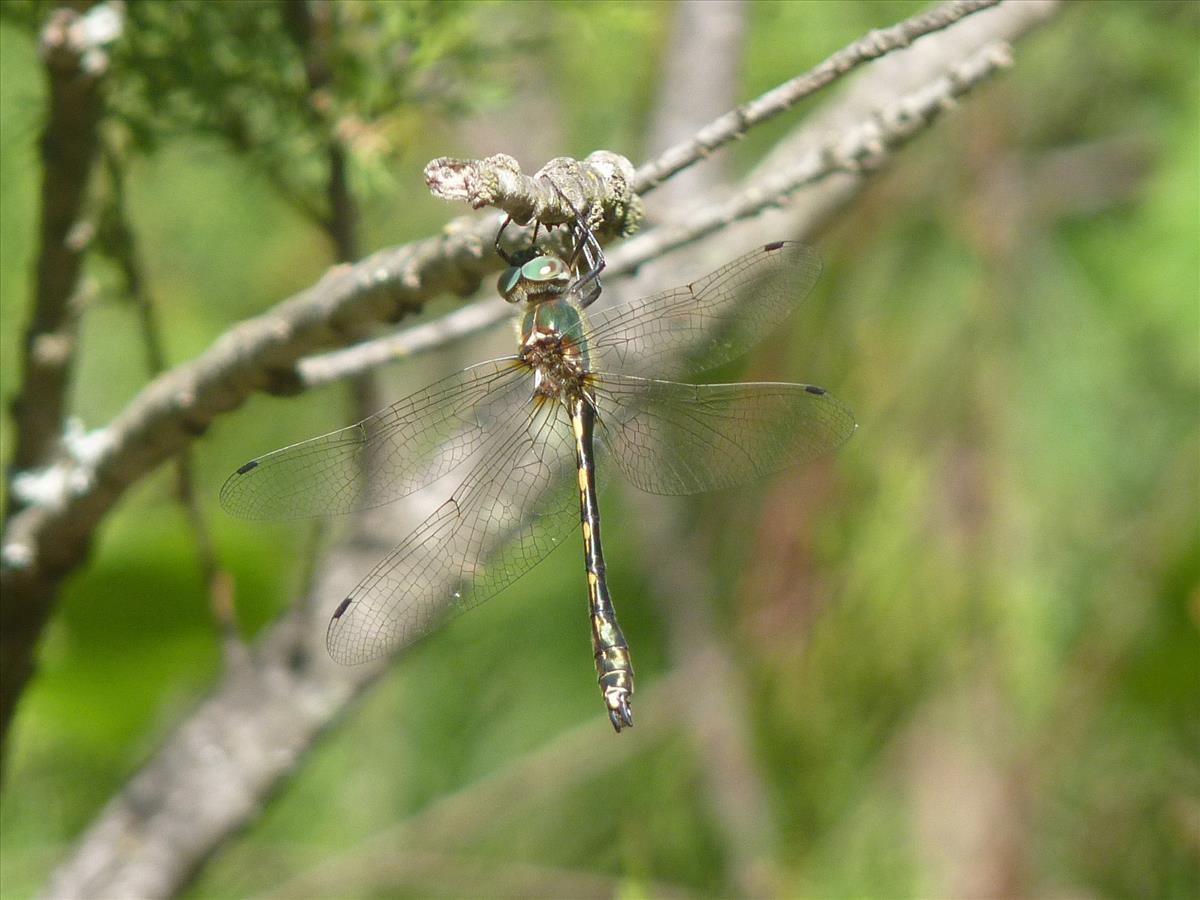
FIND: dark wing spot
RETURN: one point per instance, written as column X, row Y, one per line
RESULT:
column 337, row 613
column 813, row 389
column 247, row 467
column 774, row 245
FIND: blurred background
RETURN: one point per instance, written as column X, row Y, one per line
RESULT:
column 961, row 658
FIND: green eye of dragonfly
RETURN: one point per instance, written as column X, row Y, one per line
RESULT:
column 543, row 268
column 508, row 280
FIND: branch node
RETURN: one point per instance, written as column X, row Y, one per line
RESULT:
column 600, row 185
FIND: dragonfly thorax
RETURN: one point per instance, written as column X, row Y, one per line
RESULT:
column 552, row 346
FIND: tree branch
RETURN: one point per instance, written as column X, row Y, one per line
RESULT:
column 72, row 47
column 863, row 147
column 599, row 186
column 212, row 775
column 734, row 125
column 607, row 182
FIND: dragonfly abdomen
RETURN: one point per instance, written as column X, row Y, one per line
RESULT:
column 614, row 667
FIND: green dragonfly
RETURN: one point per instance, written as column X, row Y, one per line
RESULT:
column 523, row 429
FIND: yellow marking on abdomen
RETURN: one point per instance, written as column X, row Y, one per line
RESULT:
column 587, row 532
column 582, row 479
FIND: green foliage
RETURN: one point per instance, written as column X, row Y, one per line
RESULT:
column 970, row 641
column 280, row 81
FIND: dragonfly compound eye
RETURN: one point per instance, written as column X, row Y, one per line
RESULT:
column 544, row 268
column 507, row 282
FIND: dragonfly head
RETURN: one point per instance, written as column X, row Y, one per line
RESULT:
column 535, row 280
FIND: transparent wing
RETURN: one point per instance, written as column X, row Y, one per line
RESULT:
column 513, row 508
column 671, row 438
column 710, row 321
column 387, row 456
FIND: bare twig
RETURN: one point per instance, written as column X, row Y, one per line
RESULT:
column 72, row 47
column 309, row 23
column 606, row 181
column 454, row 326
column 861, row 149
column 735, row 124
column 76, row 65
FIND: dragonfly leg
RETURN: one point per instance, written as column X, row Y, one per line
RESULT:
column 614, row 667
column 588, row 284
column 523, row 256
column 500, row 251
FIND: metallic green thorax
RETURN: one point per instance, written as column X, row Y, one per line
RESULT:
column 556, row 318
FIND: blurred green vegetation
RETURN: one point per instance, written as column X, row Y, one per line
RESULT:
column 971, row 639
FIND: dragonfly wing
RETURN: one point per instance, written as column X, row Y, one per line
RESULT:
column 382, row 458
column 513, row 508
column 717, row 318
column 671, row 438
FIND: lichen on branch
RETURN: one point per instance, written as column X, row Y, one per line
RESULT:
column 599, row 188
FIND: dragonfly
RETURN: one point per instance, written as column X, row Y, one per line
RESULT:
column 524, row 435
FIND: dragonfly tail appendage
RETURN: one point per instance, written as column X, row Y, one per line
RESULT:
column 615, row 669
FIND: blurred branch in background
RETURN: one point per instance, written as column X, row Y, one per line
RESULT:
column 118, row 240
column 733, row 125
column 73, row 49
column 211, row 776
